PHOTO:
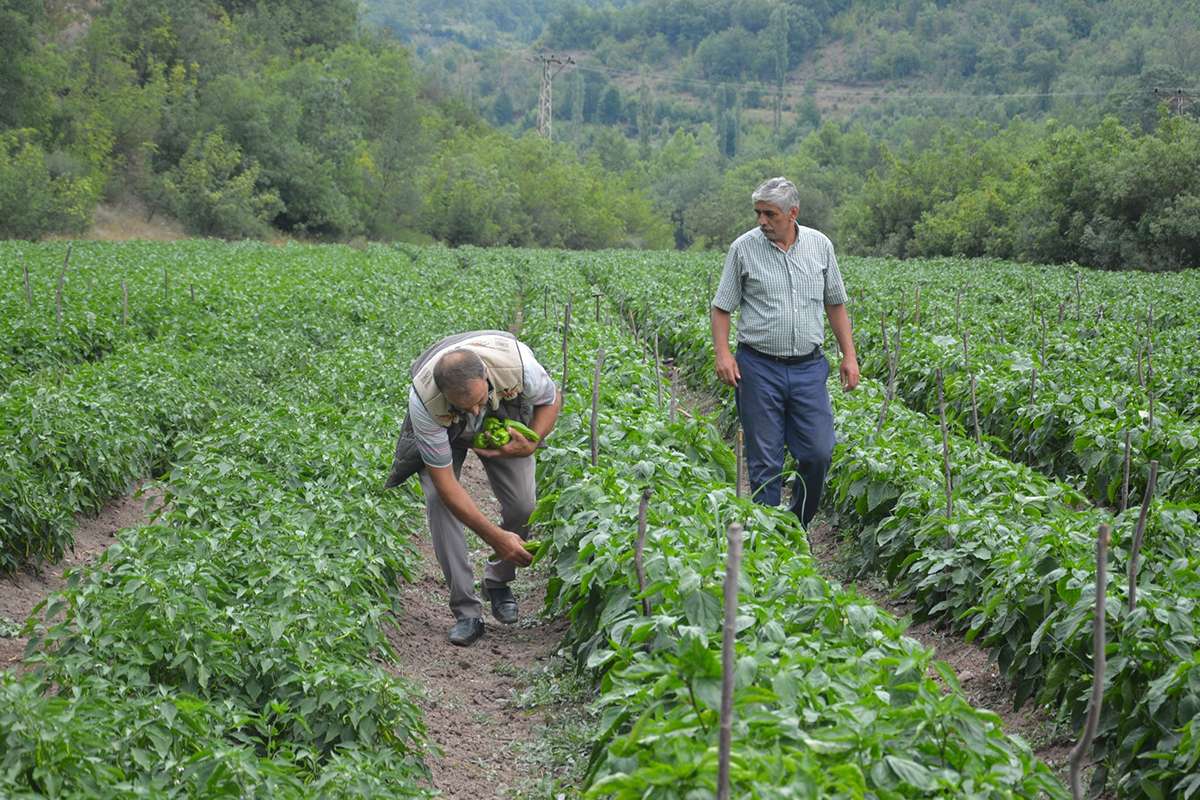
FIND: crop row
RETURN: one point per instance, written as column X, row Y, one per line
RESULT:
column 233, row 648
column 1013, row 564
column 74, row 438
column 831, row 697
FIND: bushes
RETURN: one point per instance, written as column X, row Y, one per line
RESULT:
column 33, row 200
column 1108, row 197
column 216, row 194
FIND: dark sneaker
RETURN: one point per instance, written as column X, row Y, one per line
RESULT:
column 504, row 605
column 465, row 632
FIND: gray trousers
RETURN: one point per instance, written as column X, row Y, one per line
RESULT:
column 512, row 481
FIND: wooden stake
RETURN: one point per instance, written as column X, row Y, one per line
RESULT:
column 192, row 291
column 671, row 406
column 1042, row 329
column 62, row 280
column 1125, row 480
column 1083, row 747
column 1141, row 375
column 596, row 295
column 1139, row 533
column 739, row 454
column 917, row 308
column 1079, row 296
column 124, row 305
column 1032, row 386
column 728, row 659
column 546, row 303
column 596, row 405
column 975, row 412
column 1062, row 309
column 565, row 345
column 28, row 288
column 945, row 446
column 966, row 352
column 657, row 371
column 639, row 549
column 958, row 309
column 166, row 285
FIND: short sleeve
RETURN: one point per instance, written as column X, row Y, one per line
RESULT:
column 538, row 385
column 433, row 442
column 835, row 290
column 729, row 291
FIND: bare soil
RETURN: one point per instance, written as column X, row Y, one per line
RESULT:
column 980, row 678
column 478, row 735
column 21, row 592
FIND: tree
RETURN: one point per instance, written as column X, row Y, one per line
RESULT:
column 215, row 194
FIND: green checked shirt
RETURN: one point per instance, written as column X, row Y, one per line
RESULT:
column 782, row 295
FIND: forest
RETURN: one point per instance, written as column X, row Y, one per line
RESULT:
column 1050, row 132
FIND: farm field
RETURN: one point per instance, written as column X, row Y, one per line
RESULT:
column 234, row 646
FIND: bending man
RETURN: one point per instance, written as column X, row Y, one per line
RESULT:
column 456, row 383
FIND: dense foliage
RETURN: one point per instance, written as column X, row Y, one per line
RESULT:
column 239, row 118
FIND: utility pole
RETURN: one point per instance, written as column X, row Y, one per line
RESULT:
column 1177, row 101
column 551, row 66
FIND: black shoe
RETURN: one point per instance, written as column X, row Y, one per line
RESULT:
column 466, row 631
column 504, row 605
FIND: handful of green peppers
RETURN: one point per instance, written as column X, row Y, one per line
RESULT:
column 495, row 433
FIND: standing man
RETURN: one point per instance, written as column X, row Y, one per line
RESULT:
column 781, row 274
column 456, row 383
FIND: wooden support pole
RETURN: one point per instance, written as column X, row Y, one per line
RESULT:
column 1141, row 375
column 192, row 291
column 672, row 403
column 166, row 285
column 917, row 307
column 596, row 405
column 62, row 282
column 945, row 446
column 739, row 455
column 1032, row 386
column 1078, row 296
column 1084, row 745
column 28, row 287
column 546, row 303
column 565, row 344
column 975, row 411
column 1139, row 534
column 639, row 549
column 596, row 295
column 1062, row 309
column 124, row 305
column 657, row 371
column 958, row 309
column 733, row 567
column 1042, row 330
column 1125, row 476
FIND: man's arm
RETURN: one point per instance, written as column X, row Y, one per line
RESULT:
column 839, row 321
column 544, row 418
column 506, row 543
column 727, row 368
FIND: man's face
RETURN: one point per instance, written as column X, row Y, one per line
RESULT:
column 776, row 225
column 472, row 399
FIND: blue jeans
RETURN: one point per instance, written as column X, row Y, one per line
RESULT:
column 785, row 404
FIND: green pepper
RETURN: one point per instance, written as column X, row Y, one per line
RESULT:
column 494, row 435
column 522, row 429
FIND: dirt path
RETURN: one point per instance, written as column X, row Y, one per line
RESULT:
column 22, row 591
column 469, row 692
column 980, row 678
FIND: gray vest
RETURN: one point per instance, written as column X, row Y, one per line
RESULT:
column 501, row 359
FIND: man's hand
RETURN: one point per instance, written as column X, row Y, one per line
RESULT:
column 518, row 447
column 511, row 548
column 849, row 373
column 727, row 368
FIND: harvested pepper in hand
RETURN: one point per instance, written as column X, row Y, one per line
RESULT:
column 523, row 429
column 493, row 435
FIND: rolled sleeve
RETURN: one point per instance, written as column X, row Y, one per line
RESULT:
column 729, row 291
column 835, row 290
column 433, row 442
column 538, row 386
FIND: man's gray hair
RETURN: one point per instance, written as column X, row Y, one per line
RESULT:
column 456, row 369
column 779, row 192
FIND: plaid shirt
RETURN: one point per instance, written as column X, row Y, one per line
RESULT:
column 782, row 295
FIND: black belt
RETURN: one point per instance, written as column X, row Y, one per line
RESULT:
column 789, row 360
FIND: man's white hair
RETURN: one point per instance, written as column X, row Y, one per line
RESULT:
column 779, row 192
